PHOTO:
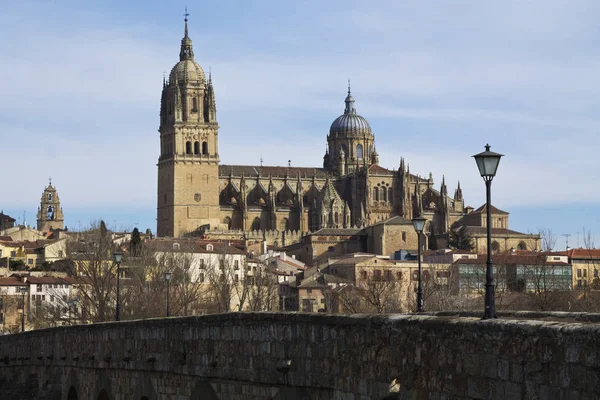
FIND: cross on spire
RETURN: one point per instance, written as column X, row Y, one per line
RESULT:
column 186, row 15
column 348, row 86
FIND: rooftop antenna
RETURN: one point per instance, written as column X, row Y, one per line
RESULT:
column 261, row 161
column 289, row 163
column 566, row 236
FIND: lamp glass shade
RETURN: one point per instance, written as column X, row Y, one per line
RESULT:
column 168, row 276
column 23, row 289
column 419, row 223
column 487, row 162
column 117, row 255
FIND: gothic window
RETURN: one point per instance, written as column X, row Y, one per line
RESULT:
column 50, row 197
column 359, row 151
column 188, row 147
column 205, row 148
column 376, row 194
column 495, row 246
column 50, row 213
column 194, row 105
column 256, row 224
column 383, row 194
column 336, row 218
column 390, row 195
column 196, row 147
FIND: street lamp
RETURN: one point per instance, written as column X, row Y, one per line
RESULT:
column 419, row 224
column 117, row 255
column 168, row 279
column 23, row 290
column 488, row 162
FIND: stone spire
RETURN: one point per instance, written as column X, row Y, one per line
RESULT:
column 458, row 196
column 186, row 52
column 349, row 102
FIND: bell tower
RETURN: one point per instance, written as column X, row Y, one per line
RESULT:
column 50, row 215
column 188, row 165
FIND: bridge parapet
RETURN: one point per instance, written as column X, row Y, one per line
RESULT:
column 313, row 356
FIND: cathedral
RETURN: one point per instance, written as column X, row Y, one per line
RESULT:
column 197, row 193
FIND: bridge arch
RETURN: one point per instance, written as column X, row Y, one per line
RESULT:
column 72, row 395
column 145, row 389
column 203, row 391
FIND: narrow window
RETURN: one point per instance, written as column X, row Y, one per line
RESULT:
column 50, row 197
column 359, row 151
column 194, row 105
column 188, row 147
column 205, row 148
column 196, row 147
column 383, row 194
column 376, row 194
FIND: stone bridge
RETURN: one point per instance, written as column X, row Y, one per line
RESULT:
column 289, row 356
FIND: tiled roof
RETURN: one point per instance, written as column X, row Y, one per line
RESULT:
column 494, row 210
column 276, row 172
column 6, row 218
column 582, row 254
column 338, row 232
column 11, row 281
column 379, row 170
column 495, row 231
column 193, row 246
column 397, row 220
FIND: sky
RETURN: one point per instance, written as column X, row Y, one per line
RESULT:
column 436, row 81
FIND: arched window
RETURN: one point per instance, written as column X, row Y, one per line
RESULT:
column 196, row 147
column 376, row 194
column 227, row 221
column 336, row 218
column 284, row 225
column 256, row 224
column 359, row 151
column 390, row 195
column 383, row 194
column 50, row 213
column 49, row 196
column 205, row 148
column 188, row 147
column 194, row 105
column 495, row 246
column 522, row 246
column 72, row 394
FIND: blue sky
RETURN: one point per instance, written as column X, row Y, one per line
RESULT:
column 436, row 80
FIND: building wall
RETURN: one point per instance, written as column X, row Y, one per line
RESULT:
column 419, row 356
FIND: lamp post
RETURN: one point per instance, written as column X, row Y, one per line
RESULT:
column 117, row 255
column 168, row 279
column 488, row 162
column 23, row 290
column 419, row 224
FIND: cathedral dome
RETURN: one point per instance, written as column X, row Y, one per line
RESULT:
column 187, row 70
column 349, row 122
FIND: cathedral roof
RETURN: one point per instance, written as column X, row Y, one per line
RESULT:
column 329, row 194
column 349, row 122
column 379, row 170
column 483, row 209
column 186, row 69
column 275, row 172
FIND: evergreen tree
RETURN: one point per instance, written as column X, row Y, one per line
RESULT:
column 103, row 230
column 460, row 239
column 134, row 246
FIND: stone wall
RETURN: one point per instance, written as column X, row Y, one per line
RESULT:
column 309, row 356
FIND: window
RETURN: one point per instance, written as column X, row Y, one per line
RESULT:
column 201, row 277
column 202, row 264
column 38, row 287
column 43, row 297
column 50, row 197
column 359, row 151
column 194, row 104
column 236, row 278
column 52, row 299
column 188, row 147
column 363, row 275
column 205, row 148
column 284, row 226
column 399, row 275
column 196, row 147
column 176, row 246
column 387, row 275
column 331, row 249
column 236, row 264
column 64, row 298
column 209, row 247
column 256, row 224
column 585, row 273
column 377, row 275
column 376, row 194
column 222, row 265
column 30, row 261
column 60, row 253
column 13, row 253
column 579, row 273
column 404, row 236
column 383, row 194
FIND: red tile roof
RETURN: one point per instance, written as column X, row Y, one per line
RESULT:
column 494, row 210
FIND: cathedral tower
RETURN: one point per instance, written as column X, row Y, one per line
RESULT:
column 350, row 141
column 188, row 170
column 50, row 215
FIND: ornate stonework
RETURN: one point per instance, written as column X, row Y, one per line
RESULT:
column 50, row 214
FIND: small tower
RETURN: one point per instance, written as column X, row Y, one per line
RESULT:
column 50, row 215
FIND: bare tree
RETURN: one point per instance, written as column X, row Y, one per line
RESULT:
column 548, row 239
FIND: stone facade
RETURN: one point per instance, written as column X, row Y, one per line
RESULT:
column 308, row 356
column 351, row 189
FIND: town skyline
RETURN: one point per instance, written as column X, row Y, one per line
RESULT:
column 104, row 145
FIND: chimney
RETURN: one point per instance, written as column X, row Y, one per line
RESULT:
column 293, row 256
column 283, row 256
